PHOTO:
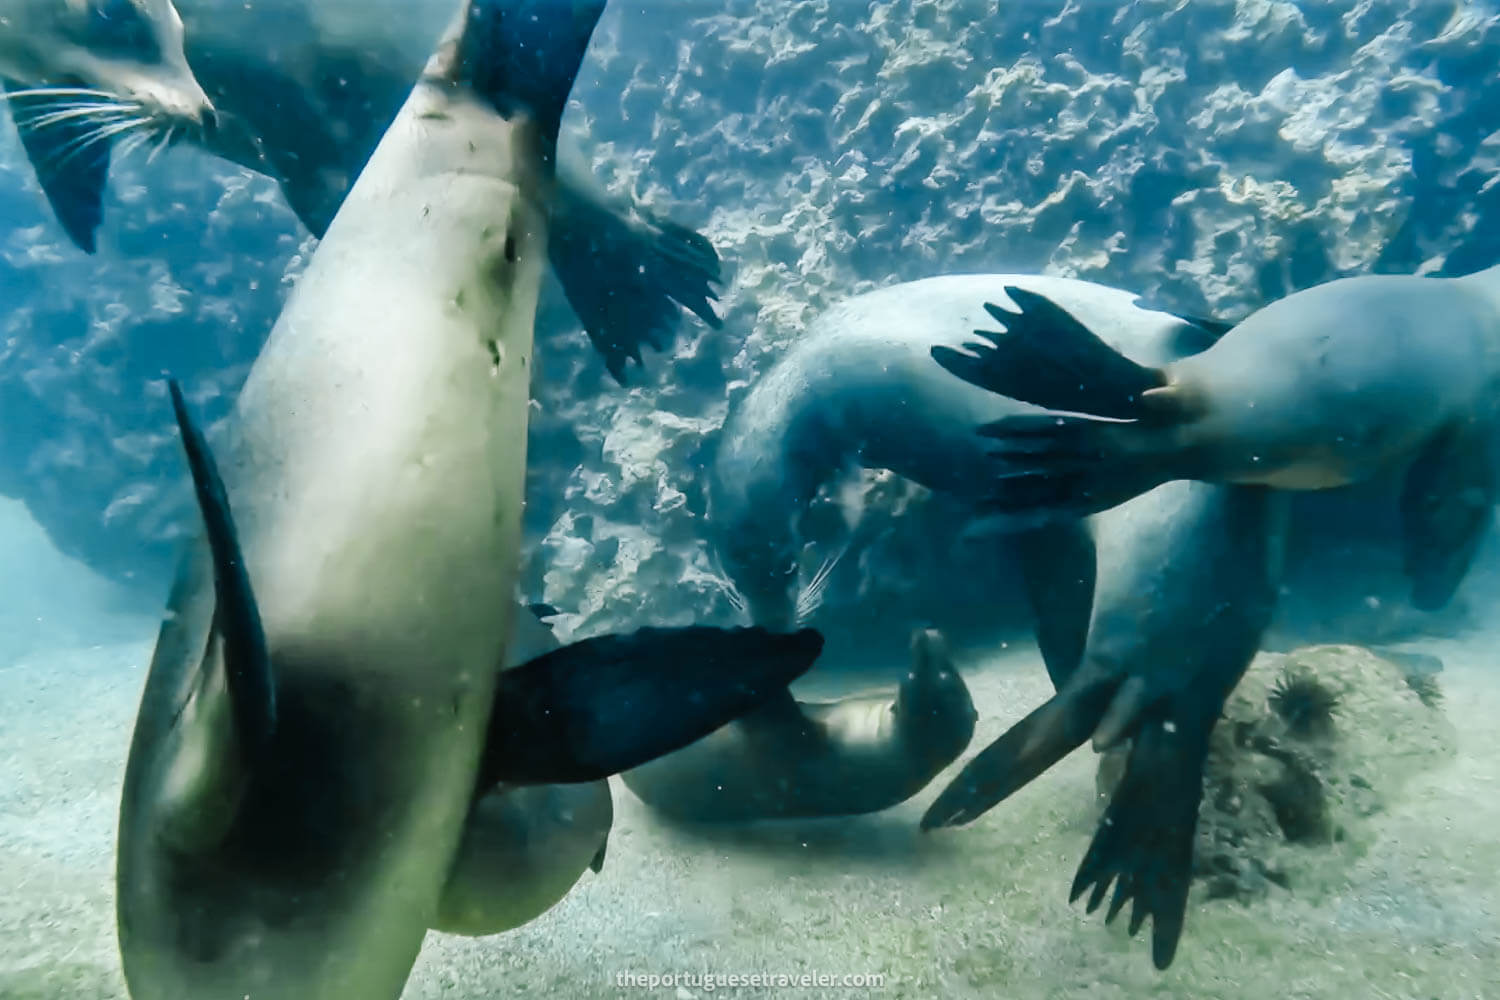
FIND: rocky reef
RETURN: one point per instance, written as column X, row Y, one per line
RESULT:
column 1313, row 746
column 1212, row 155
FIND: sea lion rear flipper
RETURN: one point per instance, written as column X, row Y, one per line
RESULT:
column 626, row 272
column 247, row 661
column 1047, row 358
column 72, row 170
column 1023, row 753
column 611, row 703
column 1447, row 503
column 1144, row 842
column 597, row 864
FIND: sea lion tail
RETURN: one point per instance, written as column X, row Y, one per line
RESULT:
column 1047, row 358
column 1144, row 843
column 626, row 276
column 1026, row 750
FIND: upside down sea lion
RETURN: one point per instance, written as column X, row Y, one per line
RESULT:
column 839, row 758
column 1326, row 387
column 325, row 704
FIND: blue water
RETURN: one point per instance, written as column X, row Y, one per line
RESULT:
column 1212, row 156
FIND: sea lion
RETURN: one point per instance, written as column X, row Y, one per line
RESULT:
column 325, row 701
column 1329, row 386
column 82, row 75
column 306, row 90
column 842, row 758
column 1187, row 582
column 859, row 389
column 1187, row 579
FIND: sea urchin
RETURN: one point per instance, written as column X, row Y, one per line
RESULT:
column 1305, row 704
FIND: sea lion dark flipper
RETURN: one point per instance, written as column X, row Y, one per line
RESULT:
column 1047, row 358
column 71, row 170
column 247, row 662
column 597, row 864
column 1066, row 466
column 1058, row 570
column 610, row 703
column 626, row 275
column 1446, row 506
column 1024, row 752
column 1145, row 840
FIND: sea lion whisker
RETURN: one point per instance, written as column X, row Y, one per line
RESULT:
column 99, row 112
column 12, row 95
column 166, row 140
column 812, row 597
column 70, row 150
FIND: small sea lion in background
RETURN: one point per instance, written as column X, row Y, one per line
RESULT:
column 325, row 703
column 1326, row 387
column 83, row 75
column 839, row 758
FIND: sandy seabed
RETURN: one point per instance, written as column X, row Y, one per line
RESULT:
column 977, row 911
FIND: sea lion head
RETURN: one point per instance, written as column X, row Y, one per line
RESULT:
column 933, row 706
column 131, row 50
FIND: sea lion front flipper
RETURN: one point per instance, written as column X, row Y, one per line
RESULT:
column 71, row 169
column 1023, row 753
column 1447, row 503
column 596, row 865
column 1058, row 571
column 247, row 660
column 611, row 703
column 1145, row 839
column 624, row 271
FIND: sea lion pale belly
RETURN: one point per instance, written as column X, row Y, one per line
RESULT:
column 325, row 703
column 1329, row 386
column 856, row 755
column 84, row 75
